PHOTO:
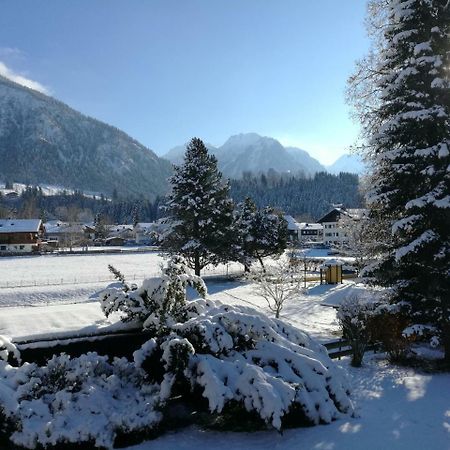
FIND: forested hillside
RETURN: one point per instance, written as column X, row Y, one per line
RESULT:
column 43, row 141
column 306, row 197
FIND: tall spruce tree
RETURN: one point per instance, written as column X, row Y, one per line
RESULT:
column 407, row 128
column 199, row 210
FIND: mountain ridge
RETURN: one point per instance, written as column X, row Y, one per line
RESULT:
column 45, row 141
column 250, row 152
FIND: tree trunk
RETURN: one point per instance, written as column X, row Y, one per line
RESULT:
column 197, row 264
column 446, row 342
column 246, row 268
column 261, row 262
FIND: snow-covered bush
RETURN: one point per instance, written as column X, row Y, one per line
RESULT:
column 8, row 349
column 229, row 356
column 353, row 315
column 76, row 400
column 159, row 301
column 234, row 355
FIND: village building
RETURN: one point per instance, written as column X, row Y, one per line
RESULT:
column 304, row 232
column 123, row 231
column 21, row 235
column 65, row 234
column 337, row 224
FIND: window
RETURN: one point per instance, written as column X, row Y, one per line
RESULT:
column 2, row 247
column 21, row 247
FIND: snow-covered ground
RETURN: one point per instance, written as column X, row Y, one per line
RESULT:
column 398, row 409
column 307, row 311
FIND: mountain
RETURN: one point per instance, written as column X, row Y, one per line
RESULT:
column 348, row 163
column 44, row 141
column 250, row 152
column 176, row 154
column 303, row 158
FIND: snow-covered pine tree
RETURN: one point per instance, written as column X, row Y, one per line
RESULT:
column 408, row 126
column 199, row 210
column 99, row 226
column 259, row 233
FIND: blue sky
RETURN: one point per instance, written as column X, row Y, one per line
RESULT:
column 166, row 70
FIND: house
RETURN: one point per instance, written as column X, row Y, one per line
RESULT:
column 293, row 228
column 304, row 232
column 20, row 235
column 337, row 224
column 65, row 234
column 123, row 231
column 114, row 240
column 143, row 231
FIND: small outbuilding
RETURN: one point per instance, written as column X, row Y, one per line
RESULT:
column 331, row 272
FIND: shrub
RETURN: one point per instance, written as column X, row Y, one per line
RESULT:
column 353, row 315
column 386, row 326
column 78, row 400
column 234, row 356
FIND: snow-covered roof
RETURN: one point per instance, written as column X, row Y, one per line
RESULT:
column 357, row 213
column 335, row 214
column 56, row 226
column 120, row 227
column 331, row 262
column 20, row 225
column 292, row 224
column 310, row 226
column 145, row 225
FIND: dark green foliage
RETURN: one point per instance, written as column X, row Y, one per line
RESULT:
column 308, row 197
column 77, row 207
column 408, row 130
column 199, row 210
column 258, row 233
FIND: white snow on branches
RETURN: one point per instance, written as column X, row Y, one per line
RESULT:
column 85, row 399
column 425, row 237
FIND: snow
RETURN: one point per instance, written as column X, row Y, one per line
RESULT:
column 74, row 269
column 23, row 323
column 85, row 399
column 19, row 225
column 398, row 409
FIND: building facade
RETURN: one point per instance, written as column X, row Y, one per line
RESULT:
column 20, row 235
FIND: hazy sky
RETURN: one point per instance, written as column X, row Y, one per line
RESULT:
column 166, row 70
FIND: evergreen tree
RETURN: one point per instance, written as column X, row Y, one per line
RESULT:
column 259, row 233
column 100, row 228
column 199, row 210
column 407, row 123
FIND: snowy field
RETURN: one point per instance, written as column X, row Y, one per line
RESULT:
column 398, row 408
column 47, row 279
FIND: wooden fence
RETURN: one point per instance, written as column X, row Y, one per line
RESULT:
column 121, row 343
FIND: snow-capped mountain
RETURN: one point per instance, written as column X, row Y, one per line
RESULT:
column 44, row 141
column 250, row 152
column 302, row 157
column 347, row 163
column 176, row 154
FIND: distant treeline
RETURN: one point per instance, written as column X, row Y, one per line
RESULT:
column 306, row 198
column 76, row 207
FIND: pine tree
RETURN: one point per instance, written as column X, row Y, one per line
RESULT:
column 259, row 233
column 407, row 124
column 100, row 228
column 199, row 210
